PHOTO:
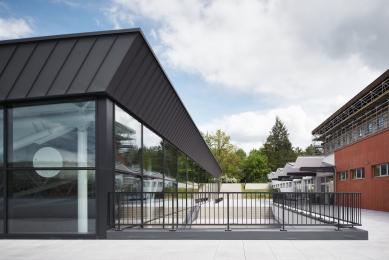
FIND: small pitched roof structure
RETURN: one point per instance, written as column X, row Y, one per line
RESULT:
column 119, row 64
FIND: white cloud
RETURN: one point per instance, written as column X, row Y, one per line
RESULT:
column 153, row 34
column 69, row 3
column 15, row 28
column 97, row 21
column 312, row 55
column 260, row 46
column 249, row 130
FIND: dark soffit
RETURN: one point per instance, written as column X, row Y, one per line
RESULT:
column 119, row 64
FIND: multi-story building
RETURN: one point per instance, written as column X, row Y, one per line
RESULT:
column 357, row 136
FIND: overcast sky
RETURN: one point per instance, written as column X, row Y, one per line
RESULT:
column 236, row 64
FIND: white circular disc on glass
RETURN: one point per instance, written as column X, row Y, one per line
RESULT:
column 47, row 157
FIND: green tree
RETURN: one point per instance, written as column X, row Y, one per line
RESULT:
column 256, row 167
column 309, row 150
column 227, row 155
column 277, row 147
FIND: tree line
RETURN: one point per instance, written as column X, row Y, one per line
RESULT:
column 254, row 167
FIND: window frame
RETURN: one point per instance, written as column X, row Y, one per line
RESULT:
column 343, row 176
column 356, row 172
column 380, row 170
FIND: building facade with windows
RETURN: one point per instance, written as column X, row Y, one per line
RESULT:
column 358, row 137
column 83, row 115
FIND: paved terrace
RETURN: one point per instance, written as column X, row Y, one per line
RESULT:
column 377, row 223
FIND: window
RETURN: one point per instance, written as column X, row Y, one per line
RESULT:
column 343, row 176
column 380, row 123
column 358, row 173
column 360, row 132
column 381, row 170
column 51, row 180
column 369, row 127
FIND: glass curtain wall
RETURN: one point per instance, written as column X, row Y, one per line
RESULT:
column 152, row 161
column 190, row 182
column 182, row 172
column 128, row 153
column 170, row 168
column 1, row 171
column 51, row 160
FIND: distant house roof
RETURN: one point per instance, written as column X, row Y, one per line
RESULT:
column 119, row 64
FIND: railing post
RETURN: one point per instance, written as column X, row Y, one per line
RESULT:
column 228, row 212
column 173, row 229
column 283, row 213
column 338, row 229
column 118, row 229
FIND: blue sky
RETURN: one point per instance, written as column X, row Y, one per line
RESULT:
column 237, row 64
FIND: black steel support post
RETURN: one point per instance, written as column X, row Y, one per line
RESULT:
column 228, row 212
column 283, row 213
column 119, row 215
column 173, row 229
column 338, row 229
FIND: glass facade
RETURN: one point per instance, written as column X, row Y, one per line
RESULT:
column 128, row 143
column 1, row 171
column 182, row 171
column 152, row 161
column 50, row 168
column 170, row 167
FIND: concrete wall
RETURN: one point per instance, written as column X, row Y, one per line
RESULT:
column 365, row 154
column 257, row 186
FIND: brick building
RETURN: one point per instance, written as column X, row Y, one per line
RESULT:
column 358, row 136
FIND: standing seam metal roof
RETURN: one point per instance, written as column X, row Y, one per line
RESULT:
column 117, row 63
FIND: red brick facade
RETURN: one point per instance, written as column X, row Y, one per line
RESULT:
column 365, row 154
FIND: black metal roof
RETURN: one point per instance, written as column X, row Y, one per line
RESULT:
column 119, row 64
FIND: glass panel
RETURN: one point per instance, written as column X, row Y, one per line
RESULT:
column 57, row 204
column 152, row 154
column 181, row 177
column 170, row 167
column 127, row 182
column 377, row 170
column 1, row 173
column 384, row 169
column 190, row 185
column 1, row 201
column 127, row 142
column 54, row 135
column 1, row 137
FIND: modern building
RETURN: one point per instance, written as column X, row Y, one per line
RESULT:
column 83, row 115
column 306, row 174
column 357, row 136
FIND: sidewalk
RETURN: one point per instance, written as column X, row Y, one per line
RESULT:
column 377, row 223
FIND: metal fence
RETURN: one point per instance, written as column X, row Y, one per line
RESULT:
column 318, row 208
column 228, row 210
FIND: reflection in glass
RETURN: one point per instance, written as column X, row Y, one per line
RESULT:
column 190, row 182
column 170, row 167
column 182, row 174
column 127, row 183
column 1, row 173
column 1, row 136
column 152, row 154
column 54, row 135
column 127, row 142
column 1, row 201
column 49, row 205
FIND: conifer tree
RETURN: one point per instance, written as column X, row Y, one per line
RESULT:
column 278, row 148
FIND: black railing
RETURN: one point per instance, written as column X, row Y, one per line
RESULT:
column 175, row 210
column 318, row 208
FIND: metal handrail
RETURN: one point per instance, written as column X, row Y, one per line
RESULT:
column 234, row 209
